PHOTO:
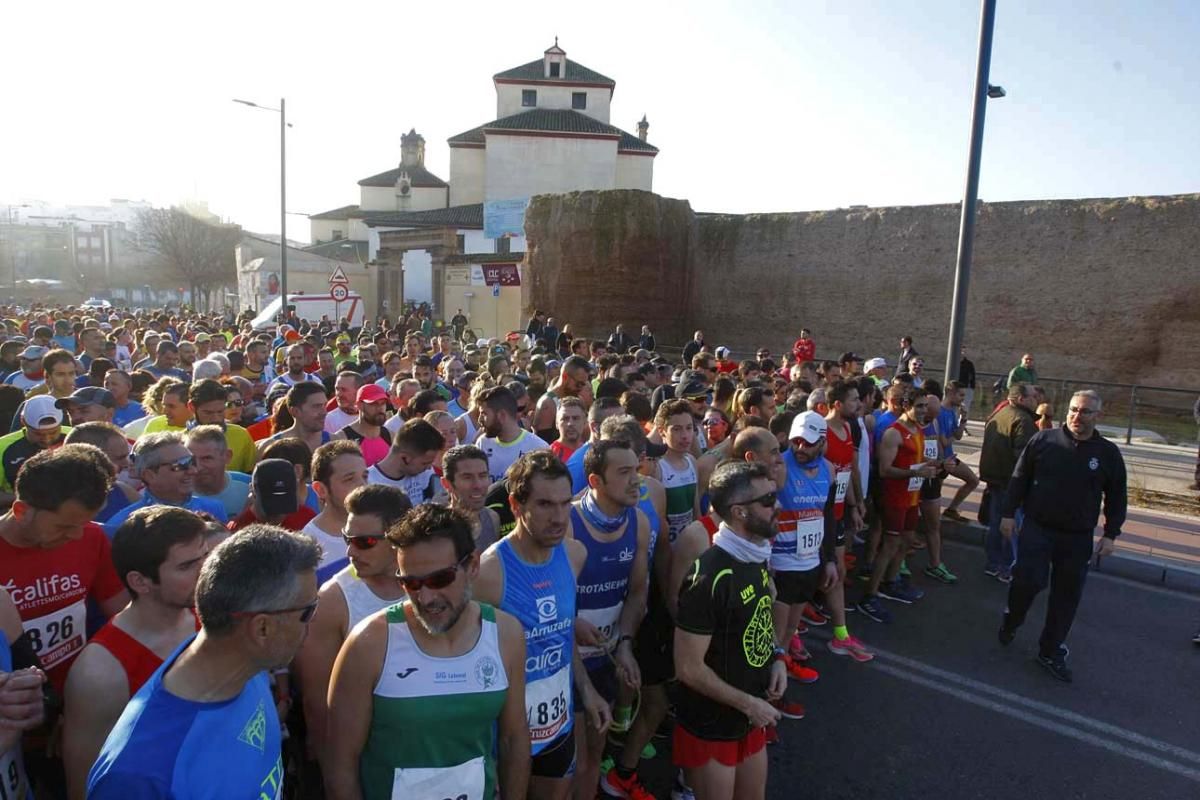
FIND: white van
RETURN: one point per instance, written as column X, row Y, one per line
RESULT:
column 312, row 307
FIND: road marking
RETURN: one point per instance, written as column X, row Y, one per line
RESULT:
column 1043, row 715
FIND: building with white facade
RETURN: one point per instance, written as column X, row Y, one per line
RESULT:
column 551, row 133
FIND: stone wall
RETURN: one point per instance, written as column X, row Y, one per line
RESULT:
column 1107, row 289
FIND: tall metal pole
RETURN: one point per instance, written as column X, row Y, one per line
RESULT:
column 966, row 230
column 283, row 290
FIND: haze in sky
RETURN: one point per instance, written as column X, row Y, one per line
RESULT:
column 756, row 106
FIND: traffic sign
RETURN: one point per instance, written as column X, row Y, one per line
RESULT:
column 339, row 292
column 496, row 290
column 338, row 276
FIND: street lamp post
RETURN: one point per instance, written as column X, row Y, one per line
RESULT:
column 966, row 230
column 283, row 126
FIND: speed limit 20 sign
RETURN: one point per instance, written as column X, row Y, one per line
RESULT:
column 339, row 292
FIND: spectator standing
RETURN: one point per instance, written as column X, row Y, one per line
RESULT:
column 1006, row 434
column 646, row 340
column 1023, row 372
column 907, row 353
column 804, row 348
column 966, row 377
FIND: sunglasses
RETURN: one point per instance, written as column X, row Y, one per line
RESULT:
column 362, row 542
column 306, row 612
column 434, row 580
column 234, row 403
column 766, row 501
column 182, row 465
column 708, row 423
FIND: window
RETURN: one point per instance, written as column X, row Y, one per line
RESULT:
column 555, row 69
column 461, row 243
column 502, row 245
column 338, row 235
column 529, row 98
column 579, row 100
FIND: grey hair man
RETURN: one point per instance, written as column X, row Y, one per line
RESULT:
column 163, row 463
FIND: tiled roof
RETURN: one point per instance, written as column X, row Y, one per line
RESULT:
column 345, row 212
column 341, row 250
column 418, row 176
column 557, row 120
column 536, row 71
column 469, row 216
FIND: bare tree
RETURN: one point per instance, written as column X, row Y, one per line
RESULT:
column 200, row 253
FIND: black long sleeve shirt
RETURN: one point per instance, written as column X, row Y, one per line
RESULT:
column 966, row 373
column 1060, row 481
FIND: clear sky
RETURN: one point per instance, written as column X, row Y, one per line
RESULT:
column 756, row 106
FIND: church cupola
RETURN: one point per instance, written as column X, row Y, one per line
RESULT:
column 554, row 62
column 643, row 128
column 412, row 149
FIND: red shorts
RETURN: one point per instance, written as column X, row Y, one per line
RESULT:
column 897, row 519
column 690, row 751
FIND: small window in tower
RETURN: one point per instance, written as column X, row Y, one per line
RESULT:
column 579, row 100
column 555, row 69
column 529, row 98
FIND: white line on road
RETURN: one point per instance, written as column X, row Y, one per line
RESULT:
column 1067, row 723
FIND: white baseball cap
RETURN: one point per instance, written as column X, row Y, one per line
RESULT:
column 41, row 412
column 875, row 363
column 809, row 426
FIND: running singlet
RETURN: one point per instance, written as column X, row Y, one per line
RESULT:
column 165, row 746
column 14, row 783
column 488, row 534
column 681, row 494
column 361, row 602
column 646, row 504
column 797, row 546
column 840, row 453
column 502, row 455
column 542, row 597
column 138, row 661
column 333, row 551
column 603, row 583
column 50, row 589
column 905, row 492
column 455, row 701
column 373, row 449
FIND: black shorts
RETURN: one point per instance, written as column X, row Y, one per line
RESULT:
column 557, row 760
column 839, row 539
column 654, row 645
column 794, row 588
column 931, row 489
column 604, row 680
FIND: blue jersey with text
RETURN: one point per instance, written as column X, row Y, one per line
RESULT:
column 542, row 597
column 166, row 747
column 603, row 582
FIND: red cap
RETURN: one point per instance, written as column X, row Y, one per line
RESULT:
column 371, row 393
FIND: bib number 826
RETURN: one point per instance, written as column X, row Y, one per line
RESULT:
column 57, row 631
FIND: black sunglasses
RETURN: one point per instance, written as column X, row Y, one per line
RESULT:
column 362, row 542
column 439, row 579
column 179, row 465
column 766, row 501
column 306, row 612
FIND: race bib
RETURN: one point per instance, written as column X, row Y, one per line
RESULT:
column 605, row 620
column 14, row 785
column 809, row 534
column 463, row 782
column 931, row 450
column 60, row 634
column 547, row 704
column 914, row 484
column 843, row 482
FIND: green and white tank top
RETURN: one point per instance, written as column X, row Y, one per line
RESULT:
column 433, row 723
column 681, row 494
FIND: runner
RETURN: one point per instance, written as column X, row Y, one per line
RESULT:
column 344, row 411
column 601, row 410
column 952, row 425
column 295, row 359
column 903, row 468
column 728, row 665
column 368, row 584
column 41, row 428
column 428, row 697
column 20, row 698
column 205, row 724
column 572, row 422
column 574, row 380
column 504, row 440
column 931, row 490
column 367, row 431
column 612, row 586
column 214, row 480
column 305, row 403
column 158, row 553
column 337, row 470
column 163, row 463
column 531, row 574
column 465, row 478
column 409, row 462
column 677, row 469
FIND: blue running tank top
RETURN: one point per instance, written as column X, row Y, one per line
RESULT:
column 542, row 597
column 797, row 546
column 14, row 783
column 603, row 583
column 646, row 504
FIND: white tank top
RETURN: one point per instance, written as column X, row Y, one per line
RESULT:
column 472, row 429
column 361, row 602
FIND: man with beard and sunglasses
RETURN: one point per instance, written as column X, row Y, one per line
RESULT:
column 205, row 724
column 428, row 697
column 366, row 585
column 531, row 574
column 729, row 668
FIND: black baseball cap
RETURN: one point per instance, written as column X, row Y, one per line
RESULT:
column 274, row 483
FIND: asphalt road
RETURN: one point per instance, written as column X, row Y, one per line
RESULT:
column 945, row 711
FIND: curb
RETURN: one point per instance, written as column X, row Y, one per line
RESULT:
column 1152, row 570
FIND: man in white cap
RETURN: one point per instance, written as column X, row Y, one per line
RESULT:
column 30, row 374
column 876, row 370
column 41, row 429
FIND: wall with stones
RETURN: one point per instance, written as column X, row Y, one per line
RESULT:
column 1105, row 289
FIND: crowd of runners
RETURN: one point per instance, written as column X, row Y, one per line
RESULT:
column 322, row 562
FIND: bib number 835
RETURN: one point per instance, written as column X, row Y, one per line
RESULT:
column 552, row 709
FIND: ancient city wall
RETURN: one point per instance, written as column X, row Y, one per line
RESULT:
column 1105, row 289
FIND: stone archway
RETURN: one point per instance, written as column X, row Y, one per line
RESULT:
column 441, row 243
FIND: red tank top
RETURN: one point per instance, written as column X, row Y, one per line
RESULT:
column 905, row 491
column 710, row 525
column 841, row 454
column 138, row 661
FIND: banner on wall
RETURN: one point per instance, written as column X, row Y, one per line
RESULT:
column 501, row 275
column 504, row 217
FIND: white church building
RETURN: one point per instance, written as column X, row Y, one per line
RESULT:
column 425, row 236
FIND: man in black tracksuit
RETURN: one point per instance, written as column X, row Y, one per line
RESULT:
column 1059, row 480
